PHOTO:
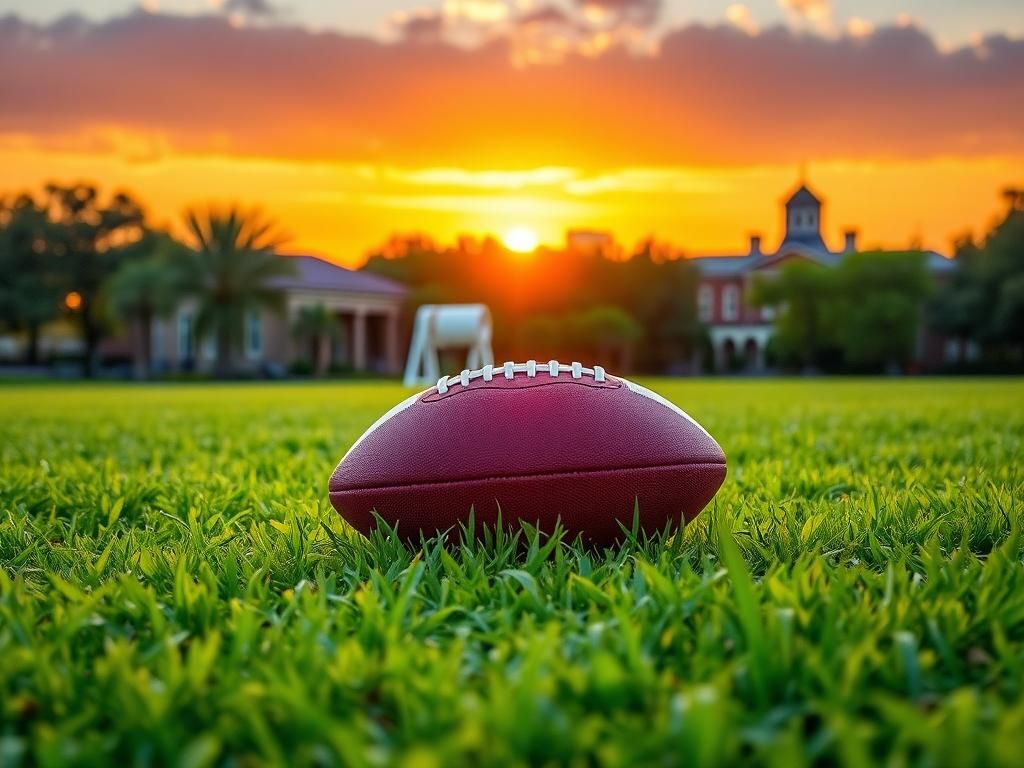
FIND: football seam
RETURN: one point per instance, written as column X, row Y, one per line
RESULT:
column 528, row 476
column 433, row 396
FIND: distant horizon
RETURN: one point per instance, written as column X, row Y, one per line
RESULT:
column 292, row 246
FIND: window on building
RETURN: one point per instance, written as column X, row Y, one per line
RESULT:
column 210, row 347
column 951, row 351
column 730, row 303
column 186, row 337
column 705, row 303
column 253, row 334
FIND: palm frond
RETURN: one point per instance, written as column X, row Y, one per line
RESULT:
column 230, row 268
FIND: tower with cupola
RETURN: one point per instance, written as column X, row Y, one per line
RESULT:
column 803, row 219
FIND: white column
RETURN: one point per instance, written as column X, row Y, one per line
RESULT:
column 391, row 342
column 718, row 348
column 359, row 339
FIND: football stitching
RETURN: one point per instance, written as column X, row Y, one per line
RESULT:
column 510, row 369
column 498, row 384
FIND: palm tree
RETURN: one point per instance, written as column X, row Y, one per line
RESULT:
column 229, row 269
column 142, row 290
column 320, row 325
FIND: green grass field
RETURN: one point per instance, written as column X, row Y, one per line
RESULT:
column 176, row 590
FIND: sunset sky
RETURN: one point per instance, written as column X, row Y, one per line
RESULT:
column 682, row 119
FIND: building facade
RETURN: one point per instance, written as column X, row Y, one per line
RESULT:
column 366, row 306
column 739, row 333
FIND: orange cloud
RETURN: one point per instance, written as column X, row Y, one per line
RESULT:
column 639, row 12
column 347, row 139
column 858, row 27
column 811, row 9
column 709, row 96
column 740, row 16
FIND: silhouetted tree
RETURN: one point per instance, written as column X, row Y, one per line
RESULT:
column 865, row 313
column 532, row 297
column 803, row 294
column 958, row 307
column 604, row 334
column 1014, row 198
column 30, row 283
column 229, row 268
column 89, row 240
column 878, row 302
column 985, row 299
column 658, row 288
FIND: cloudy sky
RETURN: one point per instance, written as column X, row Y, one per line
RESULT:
column 686, row 120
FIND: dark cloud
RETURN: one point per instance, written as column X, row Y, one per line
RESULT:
column 639, row 12
column 426, row 27
column 254, row 9
column 710, row 95
column 547, row 34
column 545, row 14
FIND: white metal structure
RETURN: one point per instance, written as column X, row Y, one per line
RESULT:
column 447, row 326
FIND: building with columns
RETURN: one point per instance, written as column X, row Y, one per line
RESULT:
column 739, row 333
column 366, row 307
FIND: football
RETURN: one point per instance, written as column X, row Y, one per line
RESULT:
column 536, row 443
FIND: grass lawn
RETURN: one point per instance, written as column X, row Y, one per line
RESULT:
column 176, row 589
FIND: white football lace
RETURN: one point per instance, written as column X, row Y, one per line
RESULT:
column 552, row 368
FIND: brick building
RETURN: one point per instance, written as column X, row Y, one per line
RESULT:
column 739, row 332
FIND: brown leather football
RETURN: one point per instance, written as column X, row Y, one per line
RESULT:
column 536, row 442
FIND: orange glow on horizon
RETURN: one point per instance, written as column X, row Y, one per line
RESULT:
column 343, row 211
column 520, row 239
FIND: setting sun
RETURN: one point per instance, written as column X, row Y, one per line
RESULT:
column 520, row 239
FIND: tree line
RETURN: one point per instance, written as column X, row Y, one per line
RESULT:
column 637, row 312
column 67, row 253
column 862, row 315
column 984, row 301
column 70, row 254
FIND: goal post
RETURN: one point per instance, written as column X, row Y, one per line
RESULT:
column 447, row 326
